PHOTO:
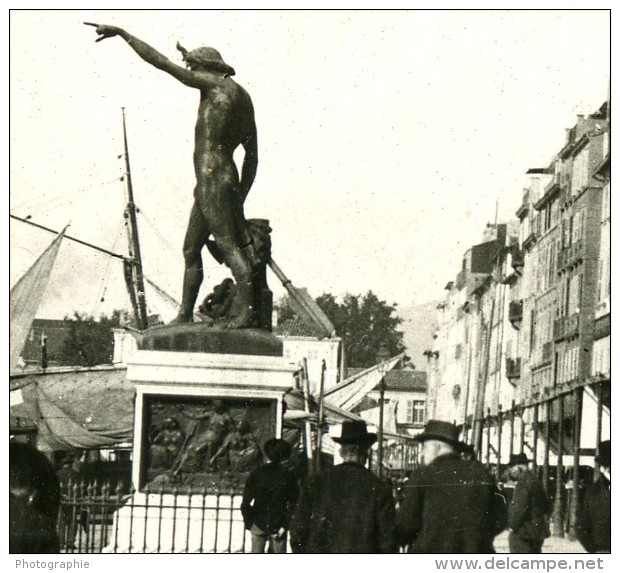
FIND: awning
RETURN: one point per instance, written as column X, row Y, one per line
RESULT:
column 77, row 408
column 351, row 391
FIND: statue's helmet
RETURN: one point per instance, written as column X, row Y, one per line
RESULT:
column 208, row 57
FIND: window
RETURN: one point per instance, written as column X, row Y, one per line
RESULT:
column 606, row 205
column 418, row 411
column 415, row 411
column 580, row 172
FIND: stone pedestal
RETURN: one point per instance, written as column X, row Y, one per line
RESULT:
column 206, row 401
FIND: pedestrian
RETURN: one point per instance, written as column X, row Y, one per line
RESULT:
column 345, row 508
column 269, row 497
column 450, row 504
column 69, row 477
column 34, row 499
column 468, row 452
column 528, row 519
column 594, row 519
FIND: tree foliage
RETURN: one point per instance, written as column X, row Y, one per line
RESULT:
column 89, row 342
column 365, row 323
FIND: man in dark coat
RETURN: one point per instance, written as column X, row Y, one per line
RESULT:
column 450, row 505
column 70, row 478
column 345, row 508
column 34, row 499
column 269, row 497
column 528, row 512
column 594, row 519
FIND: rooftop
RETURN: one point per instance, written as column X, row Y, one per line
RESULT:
column 404, row 380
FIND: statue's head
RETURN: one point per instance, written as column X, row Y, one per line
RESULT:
column 244, row 427
column 208, row 58
column 170, row 424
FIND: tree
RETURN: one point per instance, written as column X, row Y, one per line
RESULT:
column 365, row 323
column 88, row 341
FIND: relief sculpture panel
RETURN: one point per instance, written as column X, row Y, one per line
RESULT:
column 203, row 443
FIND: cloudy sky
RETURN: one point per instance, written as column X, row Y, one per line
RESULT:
column 386, row 138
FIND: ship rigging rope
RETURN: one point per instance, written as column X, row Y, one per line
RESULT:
column 106, row 276
column 156, row 230
column 166, row 242
column 43, row 205
column 100, row 249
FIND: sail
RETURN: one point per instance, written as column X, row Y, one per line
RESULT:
column 25, row 297
column 351, row 391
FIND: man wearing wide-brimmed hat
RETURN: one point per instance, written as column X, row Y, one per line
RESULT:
column 594, row 520
column 528, row 518
column 269, row 497
column 450, row 504
column 345, row 508
column 225, row 122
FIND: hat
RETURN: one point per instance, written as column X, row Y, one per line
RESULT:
column 467, row 449
column 355, row 432
column 440, row 430
column 518, row 459
column 277, row 450
column 604, row 453
column 208, row 57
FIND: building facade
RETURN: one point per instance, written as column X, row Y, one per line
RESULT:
column 521, row 355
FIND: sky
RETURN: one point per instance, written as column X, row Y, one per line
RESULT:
column 387, row 139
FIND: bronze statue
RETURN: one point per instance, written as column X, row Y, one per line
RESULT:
column 225, row 121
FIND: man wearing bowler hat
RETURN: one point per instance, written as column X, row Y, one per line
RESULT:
column 528, row 512
column 594, row 520
column 450, row 504
column 346, row 508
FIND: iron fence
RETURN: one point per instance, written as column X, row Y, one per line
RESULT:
column 99, row 519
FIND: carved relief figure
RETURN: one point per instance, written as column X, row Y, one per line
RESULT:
column 166, row 445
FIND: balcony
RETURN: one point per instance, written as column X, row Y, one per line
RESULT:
column 513, row 368
column 566, row 327
column 515, row 313
column 525, row 206
column 571, row 255
column 517, row 259
column 530, row 240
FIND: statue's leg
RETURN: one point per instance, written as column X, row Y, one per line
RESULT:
column 242, row 306
column 195, row 236
column 220, row 210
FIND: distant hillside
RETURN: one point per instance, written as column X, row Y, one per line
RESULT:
column 418, row 326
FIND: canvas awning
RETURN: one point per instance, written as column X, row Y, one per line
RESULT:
column 79, row 408
column 351, row 391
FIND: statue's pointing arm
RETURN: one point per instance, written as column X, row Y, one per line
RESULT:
column 150, row 54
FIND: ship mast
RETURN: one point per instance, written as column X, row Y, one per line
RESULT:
column 137, row 294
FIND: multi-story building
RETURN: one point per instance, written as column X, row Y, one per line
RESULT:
column 537, row 322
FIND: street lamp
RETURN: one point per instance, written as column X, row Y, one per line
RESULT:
column 382, row 355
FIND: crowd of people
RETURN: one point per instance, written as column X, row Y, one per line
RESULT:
column 450, row 504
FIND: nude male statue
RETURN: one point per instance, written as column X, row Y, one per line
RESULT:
column 225, row 121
